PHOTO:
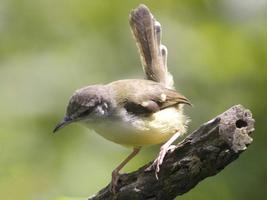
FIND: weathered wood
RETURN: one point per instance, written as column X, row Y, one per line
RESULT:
column 201, row 154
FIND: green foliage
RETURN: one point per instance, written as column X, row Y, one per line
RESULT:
column 217, row 54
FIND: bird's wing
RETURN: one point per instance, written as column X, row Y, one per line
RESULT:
column 150, row 101
column 147, row 33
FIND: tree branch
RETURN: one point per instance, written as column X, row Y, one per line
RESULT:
column 201, row 154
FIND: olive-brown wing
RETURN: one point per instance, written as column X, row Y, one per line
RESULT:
column 151, row 101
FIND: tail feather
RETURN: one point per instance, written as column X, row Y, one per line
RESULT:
column 147, row 33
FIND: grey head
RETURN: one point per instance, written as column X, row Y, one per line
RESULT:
column 88, row 104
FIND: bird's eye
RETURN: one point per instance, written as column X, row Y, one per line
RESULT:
column 85, row 113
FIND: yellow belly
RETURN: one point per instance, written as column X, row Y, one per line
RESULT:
column 155, row 129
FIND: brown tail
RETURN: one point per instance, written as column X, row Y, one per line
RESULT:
column 147, row 33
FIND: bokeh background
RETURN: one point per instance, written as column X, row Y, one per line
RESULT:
column 217, row 54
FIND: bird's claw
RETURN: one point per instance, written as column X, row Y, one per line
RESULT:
column 114, row 182
column 159, row 160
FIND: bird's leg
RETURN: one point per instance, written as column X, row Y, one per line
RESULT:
column 163, row 150
column 115, row 172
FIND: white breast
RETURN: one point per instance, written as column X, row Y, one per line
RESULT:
column 154, row 129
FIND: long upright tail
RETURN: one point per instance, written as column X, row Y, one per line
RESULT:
column 147, row 33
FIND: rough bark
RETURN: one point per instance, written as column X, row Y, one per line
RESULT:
column 203, row 153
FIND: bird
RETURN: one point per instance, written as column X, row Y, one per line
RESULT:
column 134, row 112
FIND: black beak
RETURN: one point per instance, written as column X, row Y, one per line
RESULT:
column 64, row 122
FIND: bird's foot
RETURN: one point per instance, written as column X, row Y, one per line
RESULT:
column 159, row 160
column 114, row 181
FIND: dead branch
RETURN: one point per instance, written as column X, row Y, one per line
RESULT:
column 203, row 153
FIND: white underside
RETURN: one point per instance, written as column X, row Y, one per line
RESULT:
column 154, row 129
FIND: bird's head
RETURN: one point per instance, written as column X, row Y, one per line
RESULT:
column 87, row 104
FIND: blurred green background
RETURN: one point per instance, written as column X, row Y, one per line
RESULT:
column 217, row 54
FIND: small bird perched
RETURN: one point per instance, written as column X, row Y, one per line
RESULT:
column 134, row 112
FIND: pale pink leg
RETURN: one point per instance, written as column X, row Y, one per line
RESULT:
column 115, row 172
column 163, row 150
